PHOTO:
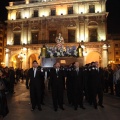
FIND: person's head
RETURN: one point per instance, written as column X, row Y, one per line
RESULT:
column 76, row 64
column 57, row 65
column 118, row 66
column 96, row 64
column 1, row 73
column 109, row 67
column 6, row 69
column 59, row 34
column 35, row 64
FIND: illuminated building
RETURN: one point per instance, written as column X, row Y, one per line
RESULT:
column 114, row 49
column 32, row 23
column 2, row 42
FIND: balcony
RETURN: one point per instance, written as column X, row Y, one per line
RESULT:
column 43, row 1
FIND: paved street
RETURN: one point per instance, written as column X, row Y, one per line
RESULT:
column 20, row 108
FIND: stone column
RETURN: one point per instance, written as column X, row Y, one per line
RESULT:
column 104, row 55
column 78, row 32
column 9, row 35
column 7, row 57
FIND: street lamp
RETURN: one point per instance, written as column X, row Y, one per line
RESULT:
column 21, row 56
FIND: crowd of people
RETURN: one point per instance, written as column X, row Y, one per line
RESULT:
column 87, row 82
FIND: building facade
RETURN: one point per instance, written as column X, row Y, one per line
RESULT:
column 32, row 23
column 2, row 42
column 114, row 49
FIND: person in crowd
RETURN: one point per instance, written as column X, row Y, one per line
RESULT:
column 57, row 86
column 77, row 78
column 36, row 76
column 69, row 84
column 116, row 80
column 86, row 81
column 12, row 79
column 110, row 79
column 6, row 79
column 25, row 76
column 3, row 101
column 18, row 74
column 22, row 75
column 97, row 84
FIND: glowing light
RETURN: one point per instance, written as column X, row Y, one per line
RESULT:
column 61, row 10
column 98, row 9
column 27, row 1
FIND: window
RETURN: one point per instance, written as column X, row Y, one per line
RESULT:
column 116, row 45
column 71, row 36
column 117, row 60
column 0, row 38
column 91, row 8
column 0, row 50
column 18, row 15
column 0, row 44
column 93, row 35
column 53, row 12
column 116, row 53
column 70, row 10
column 35, row 38
column 52, row 36
column 17, row 37
column 0, row 32
column 35, row 13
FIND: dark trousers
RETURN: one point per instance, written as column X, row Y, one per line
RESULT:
column 117, row 89
column 70, row 94
column 98, row 92
column 57, row 97
column 35, row 96
column 78, row 98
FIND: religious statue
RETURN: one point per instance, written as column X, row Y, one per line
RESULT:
column 60, row 41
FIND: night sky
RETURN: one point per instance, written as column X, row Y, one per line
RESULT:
column 112, row 6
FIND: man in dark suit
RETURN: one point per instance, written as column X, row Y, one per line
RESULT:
column 77, row 77
column 57, row 86
column 97, row 84
column 36, row 77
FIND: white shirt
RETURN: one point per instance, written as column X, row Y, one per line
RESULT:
column 34, row 69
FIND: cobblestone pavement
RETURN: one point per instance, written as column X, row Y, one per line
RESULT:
column 19, row 106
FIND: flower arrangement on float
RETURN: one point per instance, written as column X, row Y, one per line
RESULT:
column 68, row 51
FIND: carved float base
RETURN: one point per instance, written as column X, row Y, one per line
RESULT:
column 65, row 61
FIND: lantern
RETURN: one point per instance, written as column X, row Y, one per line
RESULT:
column 44, row 51
column 80, row 51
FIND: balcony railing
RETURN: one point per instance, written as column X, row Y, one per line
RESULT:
column 41, row 1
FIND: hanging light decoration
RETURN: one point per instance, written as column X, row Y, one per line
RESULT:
column 44, row 51
column 80, row 51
